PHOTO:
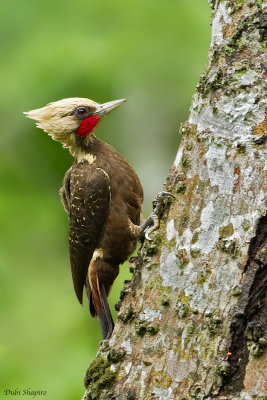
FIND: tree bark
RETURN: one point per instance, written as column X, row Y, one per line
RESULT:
column 192, row 321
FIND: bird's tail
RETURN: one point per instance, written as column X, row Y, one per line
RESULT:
column 97, row 296
column 105, row 317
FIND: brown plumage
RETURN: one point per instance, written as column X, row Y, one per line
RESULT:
column 102, row 196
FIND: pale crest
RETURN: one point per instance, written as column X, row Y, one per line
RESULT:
column 57, row 119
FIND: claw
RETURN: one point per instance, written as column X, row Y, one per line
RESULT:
column 162, row 199
column 155, row 220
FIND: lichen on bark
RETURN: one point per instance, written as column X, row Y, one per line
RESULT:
column 192, row 321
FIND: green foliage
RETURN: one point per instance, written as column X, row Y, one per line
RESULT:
column 149, row 52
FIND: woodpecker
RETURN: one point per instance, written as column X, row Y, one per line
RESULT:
column 103, row 198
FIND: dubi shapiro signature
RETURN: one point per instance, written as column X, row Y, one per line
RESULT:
column 24, row 392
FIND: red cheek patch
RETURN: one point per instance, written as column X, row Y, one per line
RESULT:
column 87, row 125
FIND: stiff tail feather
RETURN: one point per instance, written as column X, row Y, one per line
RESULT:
column 98, row 306
column 106, row 321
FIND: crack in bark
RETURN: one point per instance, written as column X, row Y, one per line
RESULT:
column 257, row 242
column 250, row 311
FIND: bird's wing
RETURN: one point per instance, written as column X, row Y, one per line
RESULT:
column 88, row 210
column 65, row 191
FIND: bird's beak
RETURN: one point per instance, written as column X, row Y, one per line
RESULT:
column 105, row 108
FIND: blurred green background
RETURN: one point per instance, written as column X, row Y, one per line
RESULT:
column 150, row 52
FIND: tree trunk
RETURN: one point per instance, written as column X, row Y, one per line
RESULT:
column 192, row 321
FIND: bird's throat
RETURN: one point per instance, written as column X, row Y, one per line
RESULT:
column 87, row 125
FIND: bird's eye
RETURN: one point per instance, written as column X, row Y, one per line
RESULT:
column 82, row 111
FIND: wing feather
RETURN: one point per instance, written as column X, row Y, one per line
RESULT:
column 89, row 201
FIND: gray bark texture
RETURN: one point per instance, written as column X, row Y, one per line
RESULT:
column 193, row 320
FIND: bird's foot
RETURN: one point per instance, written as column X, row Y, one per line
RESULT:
column 162, row 199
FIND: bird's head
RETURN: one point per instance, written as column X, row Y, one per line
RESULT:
column 70, row 119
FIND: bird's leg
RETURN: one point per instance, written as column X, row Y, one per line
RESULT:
column 158, row 203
